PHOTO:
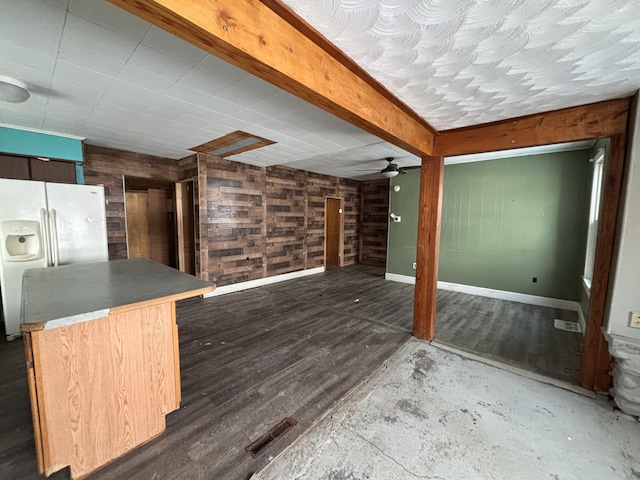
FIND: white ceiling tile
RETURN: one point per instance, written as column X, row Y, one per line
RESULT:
column 79, row 85
column 59, row 4
column 205, row 82
column 151, row 81
column 94, row 47
column 65, row 124
column 156, row 62
column 94, row 131
column 223, row 71
column 128, row 95
column 231, row 123
column 59, row 107
column 187, row 94
column 22, row 58
column 34, row 25
column 174, row 47
column 190, row 120
column 221, row 106
column 168, row 107
column 249, row 92
column 250, row 116
column 278, row 104
column 109, row 16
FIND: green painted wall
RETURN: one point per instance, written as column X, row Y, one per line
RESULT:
column 34, row 144
column 401, row 252
column 509, row 220
column 503, row 222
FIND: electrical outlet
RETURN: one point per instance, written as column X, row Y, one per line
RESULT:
column 415, row 265
column 635, row 320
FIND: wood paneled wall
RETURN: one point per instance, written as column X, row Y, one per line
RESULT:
column 374, row 222
column 260, row 222
column 253, row 222
column 106, row 166
column 285, row 219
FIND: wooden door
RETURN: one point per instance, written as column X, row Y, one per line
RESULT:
column 137, row 212
column 333, row 231
column 185, row 224
column 161, row 233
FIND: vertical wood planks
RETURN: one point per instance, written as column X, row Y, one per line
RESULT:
column 349, row 191
column 273, row 216
column 235, row 218
column 374, row 222
column 104, row 386
column 430, row 208
column 285, row 220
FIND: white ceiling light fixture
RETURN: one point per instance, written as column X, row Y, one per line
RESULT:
column 389, row 173
column 13, row 90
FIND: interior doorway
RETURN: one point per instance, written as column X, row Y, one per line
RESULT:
column 185, row 226
column 149, row 210
column 333, row 231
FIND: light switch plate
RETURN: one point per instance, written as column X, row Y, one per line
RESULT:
column 635, row 320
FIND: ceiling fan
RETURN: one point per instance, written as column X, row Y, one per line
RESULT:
column 392, row 169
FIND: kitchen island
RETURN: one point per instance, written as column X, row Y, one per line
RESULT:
column 101, row 343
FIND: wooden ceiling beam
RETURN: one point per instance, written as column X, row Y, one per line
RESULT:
column 603, row 119
column 252, row 36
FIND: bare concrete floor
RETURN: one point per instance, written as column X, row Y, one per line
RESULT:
column 429, row 413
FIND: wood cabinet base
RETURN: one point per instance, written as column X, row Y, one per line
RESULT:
column 102, row 387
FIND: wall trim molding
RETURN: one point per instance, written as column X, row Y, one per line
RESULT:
column 511, row 296
column 502, row 295
column 236, row 287
column 394, row 277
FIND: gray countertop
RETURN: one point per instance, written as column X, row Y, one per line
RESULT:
column 58, row 296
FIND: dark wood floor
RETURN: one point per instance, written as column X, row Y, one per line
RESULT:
column 294, row 348
column 248, row 360
column 514, row 333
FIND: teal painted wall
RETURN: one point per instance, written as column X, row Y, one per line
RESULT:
column 401, row 251
column 503, row 222
column 34, row 144
column 509, row 220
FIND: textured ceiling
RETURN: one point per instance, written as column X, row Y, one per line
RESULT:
column 466, row 62
column 98, row 72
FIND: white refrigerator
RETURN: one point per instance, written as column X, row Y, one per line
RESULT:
column 45, row 225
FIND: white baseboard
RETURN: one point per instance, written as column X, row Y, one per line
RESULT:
column 512, row 296
column 581, row 319
column 236, row 287
column 500, row 294
column 400, row 278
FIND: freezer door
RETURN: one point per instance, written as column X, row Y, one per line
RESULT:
column 21, row 199
column 20, row 202
column 78, row 223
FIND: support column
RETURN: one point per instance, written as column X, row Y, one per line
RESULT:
column 428, row 246
column 595, row 369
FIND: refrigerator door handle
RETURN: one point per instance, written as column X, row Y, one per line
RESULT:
column 54, row 237
column 46, row 242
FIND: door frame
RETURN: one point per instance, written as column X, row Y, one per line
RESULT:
column 180, row 234
column 341, row 235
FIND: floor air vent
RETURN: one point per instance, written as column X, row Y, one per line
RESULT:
column 567, row 326
column 258, row 447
